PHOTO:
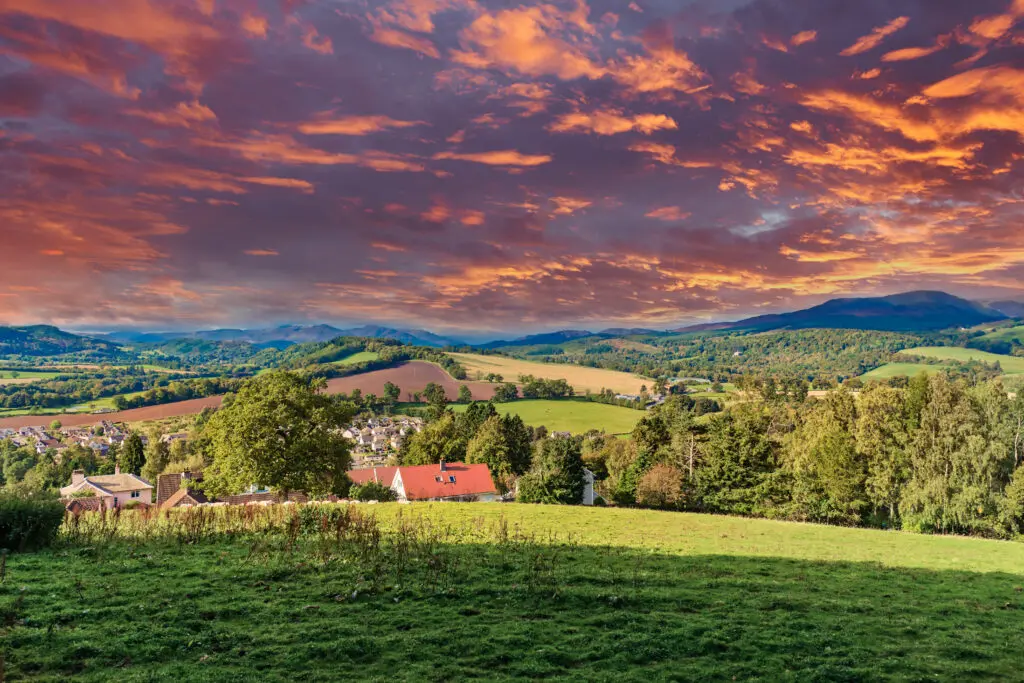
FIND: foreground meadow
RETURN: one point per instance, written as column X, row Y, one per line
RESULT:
column 448, row 592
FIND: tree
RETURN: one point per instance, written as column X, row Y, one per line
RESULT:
column 882, row 437
column 279, row 431
column 439, row 440
column 55, row 425
column 158, row 455
column 490, row 447
column 465, row 395
column 372, row 490
column 506, row 393
column 436, row 398
column 661, row 487
column 133, row 456
column 469, row 422
column 557, row 474
column 392, row 393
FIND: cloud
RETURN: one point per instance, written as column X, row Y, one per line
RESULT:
column 505, row 157
column 876, row 37
column 803, row 38
column 668, row 213
column 566, row 206
column 325, row 124
column 610, row 122
column 260, row 252
column 400, row 39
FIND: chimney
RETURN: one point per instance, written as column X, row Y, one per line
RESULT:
column 444, row 468
column 77, row 477
column 117, row 468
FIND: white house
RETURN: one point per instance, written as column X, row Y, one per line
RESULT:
column 115, row 490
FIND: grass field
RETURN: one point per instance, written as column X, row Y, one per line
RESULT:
column 360, row 357
column 1007, row 334
column 890, row 370
column 515, row 592
column 575, row 416
column 24, row 376
column 1011, row 365
column 581, row 378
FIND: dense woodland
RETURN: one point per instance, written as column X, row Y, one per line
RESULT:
column 822, row 355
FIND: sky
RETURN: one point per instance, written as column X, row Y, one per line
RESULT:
column 487, row 166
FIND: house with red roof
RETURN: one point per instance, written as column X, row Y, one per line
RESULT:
column 447, row 481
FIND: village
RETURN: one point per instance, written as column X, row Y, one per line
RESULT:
column 375, row 442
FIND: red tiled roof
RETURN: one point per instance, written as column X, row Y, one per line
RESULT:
column 421, row 482
column 86, row 504
column 385, row 475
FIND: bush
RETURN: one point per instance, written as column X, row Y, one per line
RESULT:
column 373, row 490
column 29, row 521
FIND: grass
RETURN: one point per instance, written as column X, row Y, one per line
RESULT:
column 567, row 415
column 516, row 592
column 359, row 357
column 581, row 378
column 1006, row 334
column 890, row 370
column 1011, row 365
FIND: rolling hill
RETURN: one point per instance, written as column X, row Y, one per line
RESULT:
column 909, row 312
column 284, row 335
column 46, row 340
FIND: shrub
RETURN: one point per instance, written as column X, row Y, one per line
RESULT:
column 29, row 521
column 373, row 490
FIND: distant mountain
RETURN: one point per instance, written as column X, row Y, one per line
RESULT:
column 908, row 312
column 560, row 337
column 626, row 332
column 284, row 335
column 46, row 340
column 1012, row 309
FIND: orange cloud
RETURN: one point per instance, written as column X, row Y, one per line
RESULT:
column 292, row 183
column 184, row 115
column 666, row 154
column 472, row 217
column 255, row 26
column 610, row 122
column 276, row 148
column 312, row 39
column 668, row 213
column 803, row 37
column 353, row 125
column 524, row 40
column 260, row 252
column 438, row 213
column 505, row 157
column 395, row 38
column 875, row 38
column 566, row 206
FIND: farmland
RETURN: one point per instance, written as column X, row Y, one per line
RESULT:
column 24, row 376
column 581, row 378
column 411, row 377
column 517, row 592
column 567, row 415
column 1011, row 364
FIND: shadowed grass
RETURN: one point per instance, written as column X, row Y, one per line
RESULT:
column 452, row 592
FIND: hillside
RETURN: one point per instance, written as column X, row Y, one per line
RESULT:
column 284, row 335
column 908, row 312
column 45, row 340
column 515, row 592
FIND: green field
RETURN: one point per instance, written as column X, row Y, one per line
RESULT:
column 360, row 357
column 515, row 592
column 890, row 370
column 1011, row 365
column 1006, row 334
column 24, row 376
column 569, row 415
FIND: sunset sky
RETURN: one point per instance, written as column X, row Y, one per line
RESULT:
column 484, row 166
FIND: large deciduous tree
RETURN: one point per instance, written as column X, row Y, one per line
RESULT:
column 279, row 431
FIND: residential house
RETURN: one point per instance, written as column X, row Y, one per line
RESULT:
column 454, row 481
column 114, row 490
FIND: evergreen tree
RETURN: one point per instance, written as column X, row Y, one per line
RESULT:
column 133, row 455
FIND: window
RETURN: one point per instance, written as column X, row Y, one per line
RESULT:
column 438, row 479
column 136, row 494
column 451, row 478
